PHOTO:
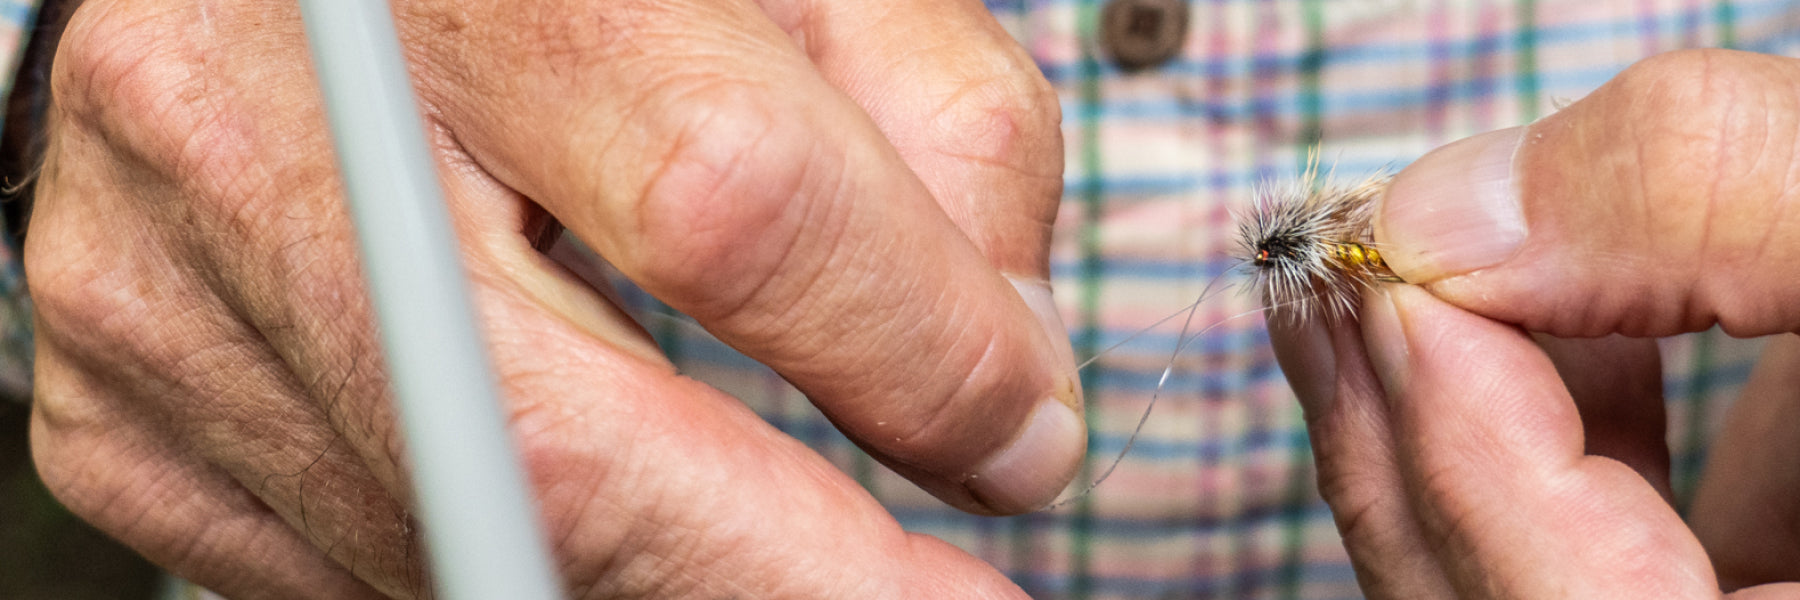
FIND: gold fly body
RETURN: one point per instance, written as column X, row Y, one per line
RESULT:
column 1312, row 247
column 1364, row 259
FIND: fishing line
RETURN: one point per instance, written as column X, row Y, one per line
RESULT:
column 1312, row 251
column 1162, row 381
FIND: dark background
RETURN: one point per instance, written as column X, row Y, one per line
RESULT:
column 45, row 552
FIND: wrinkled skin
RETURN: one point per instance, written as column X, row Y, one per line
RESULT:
column 844, row 192
column 1463, row 458
column 859, row 194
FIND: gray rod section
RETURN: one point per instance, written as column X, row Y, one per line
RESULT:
column 481, row 534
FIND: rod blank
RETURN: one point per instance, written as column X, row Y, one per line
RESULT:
column 481, row 534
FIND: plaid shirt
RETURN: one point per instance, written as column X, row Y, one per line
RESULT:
column 16, row 17
column 1217, row 499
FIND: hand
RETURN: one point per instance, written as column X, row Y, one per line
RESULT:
column 858, row 195
column 1462, row 458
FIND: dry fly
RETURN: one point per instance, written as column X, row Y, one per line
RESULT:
column 1310, row 246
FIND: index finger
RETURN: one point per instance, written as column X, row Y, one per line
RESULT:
column 961, row 102
column 1490, row 446
column 696, row 147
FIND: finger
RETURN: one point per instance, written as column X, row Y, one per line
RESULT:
column 1616, row 383
column 702, row 153
column 153, row 349
column 963, row 104
column 1490, row 445
column 222, row 314
column 667, row 488
column 194, row 520
column 231, row 300
column 966, row 108
column 630, row 479
column 665, row 515
column 1656, row 205
column 634, row 489
column 1747, row 508
column 1347, row 421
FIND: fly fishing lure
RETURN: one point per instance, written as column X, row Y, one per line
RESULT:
column 1312, row 245
column 1311, row 249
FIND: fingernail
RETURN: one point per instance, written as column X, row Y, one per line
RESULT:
column 1037, row 296
column 1037, row 466
column 1304, row 350
column 1383, row 336
column 1454, row 210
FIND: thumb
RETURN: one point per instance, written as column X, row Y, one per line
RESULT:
column 1656, row 205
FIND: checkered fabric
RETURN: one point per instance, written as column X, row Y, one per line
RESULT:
column 16, row 17
column 1217, row 499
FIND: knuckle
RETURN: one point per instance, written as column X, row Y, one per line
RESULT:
column 1453, row 521
column 603, row 505
column 1361, row 522
column 1363, row 500
column 113, row 64
column 1713, row 133
column 1695, row 115
column 74, row 298
column 726, row 193
column 92, row 58
column 108, row 296
column 1669, row 67
column 1371, row 534
column 64, row 452
column 183, row 109
column 1009, row 117
column 1668, row 108
column 1640, row 549
column 60, row 471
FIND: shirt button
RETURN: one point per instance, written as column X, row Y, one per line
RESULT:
column 1140, row 34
